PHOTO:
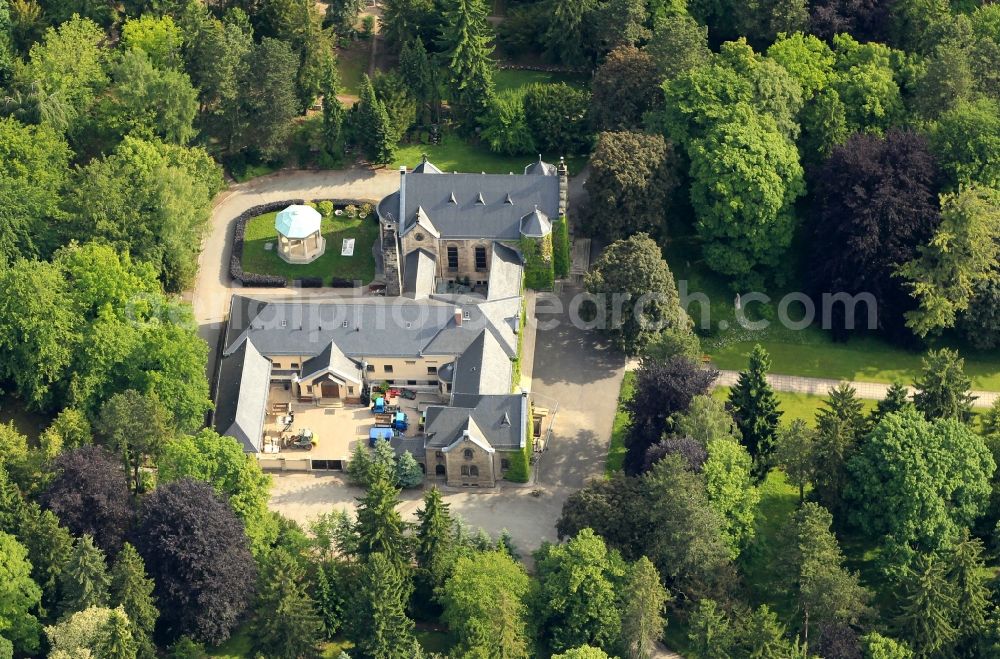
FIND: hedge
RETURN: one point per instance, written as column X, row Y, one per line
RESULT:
column 520, row 462
column 561, row 259
column 538, row 272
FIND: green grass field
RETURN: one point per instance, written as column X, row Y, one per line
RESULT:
column 795, row 406
column 361, row 266
column 453, row 154
column 616, row 450
column 352, row 63
column 511, row 79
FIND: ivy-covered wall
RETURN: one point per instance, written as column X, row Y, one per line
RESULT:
column 538, row 270
column 561, row 259
column 520, row 462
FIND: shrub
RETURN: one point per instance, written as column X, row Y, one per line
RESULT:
column 309, row 282
column 342, row 283
column 561, row 258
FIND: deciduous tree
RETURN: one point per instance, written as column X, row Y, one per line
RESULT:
column 794, row 452
column 19, row 596
column 731, row 491
column 556, row 115
column 135, row 427
column 966, row 141
column 679, row 44
column 625, row 87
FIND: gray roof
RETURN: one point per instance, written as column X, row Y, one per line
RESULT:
column 333, row 360
column 426, row 166
column 484, row 368
column 493, row 218
column 419, row 273
column 536, row 224
column 539, row 168
column 500, row 418
column 384, row 327
column 241, row 397
column 506, row 273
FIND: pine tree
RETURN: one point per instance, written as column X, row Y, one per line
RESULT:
column 897, row 397
column 379, row 625
column 642, row 615
column 435, row 544
column 755, row 409
column 287, row 625
column 467, row 42
column 117, row 641
column 333, row 110
column 379, row 527
column 422, row 80
column 408, row 471
column 943, row 387
column 927, row 606
column 49, row 546
column 359, row 464
column 84, row 581
column 710, row 632
column 966, row 574
column 564, row 37
column 762, row 636
column 840, row 426
column 374, row 130
column 329, row 599
column 132, row 590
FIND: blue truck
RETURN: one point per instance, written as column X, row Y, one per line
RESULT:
column 376, row 434
column 395, row 420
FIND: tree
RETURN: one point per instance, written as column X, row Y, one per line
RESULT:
column 422, row 79
column 197, row 553
column 868, row 21
column 19, row 596
column 916, row 483
column 484, row 606
column 132, row 590
column 755, row 409
column 373, row 127
column 88, row 633
column 896, row 400
column 875, row 204
column 625, row 87
column 69, row 430
column 505, row 125
column 642, row 618
column 878, row 646
column 745, row 174
column 866, row 80
column 927, row 606
column 636, row 294
column 826, row 592
column 270, row 101
column 90, row 495
column 30, row 187
column 135, row 427
column 631, row 183
column 380, row 528
column 84, row 581
column 342, row 15
column 943, row 388
column 287, row 624
column 330, row 602
column 966, row 575
column 966, row 142
column 614, row 24
column 466, row 41
column 689, row 449
column 435, row 542
column 333, row 110
column 794, row 452
column 234, row 474
column 49, row 545
column 762, row 635
column 679, row 44
column 117, row 642
column 564, row 38
column 400, row 105
column 15, row 457
column 158, row 37
column 960, row 255
column 408, row 471
column 840, row 428
column 706, row 420
column 583, row 652
column 556, row 115
column 379, row 625
column 731, row 491
column 577, row 601
column 710, row 632
column 662, row 389
column 39, row 330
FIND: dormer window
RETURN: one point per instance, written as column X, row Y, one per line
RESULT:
column 480, row 200
column 508, row 200
column 466, row 315
column 467, row 454
column 451, row 199
column 344, row 324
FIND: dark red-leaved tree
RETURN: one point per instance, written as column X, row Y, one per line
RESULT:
column 198, row 554
column 662, row 389
column 865, row 20
column 90, row 495
column 875, row 203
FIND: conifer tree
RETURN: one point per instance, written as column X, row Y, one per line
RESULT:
column 379, row 527
column 287, row 625
column 333, row 110
column 408, row 471
column 132, row 590
column 943, row 387
column 435, row 543
column 49, row 546
column 965, row 573
column 642, row 617
column 840, row 426
column 896, row 399
column 84, row 582
column 564, row 37
column 710, row 632
column 374, row 131
column 329, row 598
column 927, row 606
column 422, row 80
column 762, row 636
column 755, row 409
column 379, row 625
column 467, row 42
column 117, row 641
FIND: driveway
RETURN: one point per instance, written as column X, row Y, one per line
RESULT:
column 575, row 369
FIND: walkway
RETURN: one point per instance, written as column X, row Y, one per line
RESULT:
column 822, row 386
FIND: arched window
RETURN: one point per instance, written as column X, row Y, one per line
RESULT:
column 467, row 453
column 474, row 470
column 465, row 470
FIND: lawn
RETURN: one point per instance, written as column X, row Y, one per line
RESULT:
column 795, row 406
column 510, row 79
column 453, row 154
column 361, row 266
column 352, row 63
column 616, row 451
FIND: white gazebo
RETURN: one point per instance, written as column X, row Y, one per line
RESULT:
column 299, row 237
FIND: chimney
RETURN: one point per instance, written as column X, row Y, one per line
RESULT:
column 458, row 317
column 563, row 187
column 401, row 218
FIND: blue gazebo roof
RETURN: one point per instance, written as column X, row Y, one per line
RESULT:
column 298, row 221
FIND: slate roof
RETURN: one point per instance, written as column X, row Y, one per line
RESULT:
column 484, row 368
column 386, row 327
column 419, row 273
column 539, row 168
column 494, row 218
column 506, row 273
column 333, row 360
column 244, row 379
column 501, row 419
column 536, row 224
column 426, row 166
